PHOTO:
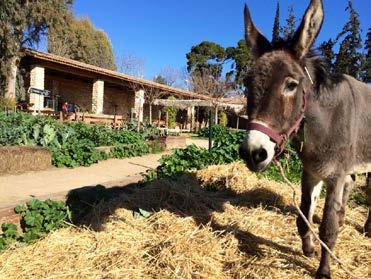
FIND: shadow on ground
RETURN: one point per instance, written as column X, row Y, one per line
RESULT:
column 184, row 196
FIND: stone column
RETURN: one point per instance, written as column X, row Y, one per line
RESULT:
column 37, row 78
column 98, row 97
column 190, row 117
column 139, row 102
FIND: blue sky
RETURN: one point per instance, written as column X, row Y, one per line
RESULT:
column 162, row 32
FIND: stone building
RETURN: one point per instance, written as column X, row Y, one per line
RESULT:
column 87, row 87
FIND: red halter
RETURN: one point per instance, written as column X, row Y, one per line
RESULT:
column 280, row 138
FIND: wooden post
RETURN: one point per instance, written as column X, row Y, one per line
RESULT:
column 167, row 119
column 210, row 132
column 61, row 116
column 138, row 117
column 198, row 119
column 238, row 121
column 159, row 118
column 216, row 115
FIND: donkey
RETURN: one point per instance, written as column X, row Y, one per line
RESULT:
column 289, row 88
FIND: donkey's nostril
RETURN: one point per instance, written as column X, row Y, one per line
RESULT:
column 259, row 155
column 243, row 152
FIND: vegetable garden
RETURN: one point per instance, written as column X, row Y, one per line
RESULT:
column 74, row 144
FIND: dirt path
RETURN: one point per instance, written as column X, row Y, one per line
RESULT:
column 56, row 182
column 16, row 188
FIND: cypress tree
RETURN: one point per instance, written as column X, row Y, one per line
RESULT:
column 276, row 25
column 79, row 40
column 367, row 65
column 349, row 59
column 288, row 31
column 327, row 51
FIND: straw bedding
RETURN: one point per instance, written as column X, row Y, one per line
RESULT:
column 222, row 222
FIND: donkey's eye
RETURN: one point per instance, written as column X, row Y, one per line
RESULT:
column 291, row 86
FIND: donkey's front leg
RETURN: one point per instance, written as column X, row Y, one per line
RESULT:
column 330, row 222
column 311, row 188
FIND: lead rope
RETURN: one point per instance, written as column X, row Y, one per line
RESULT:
column 342, row 265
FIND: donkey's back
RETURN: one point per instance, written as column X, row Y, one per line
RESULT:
column 360, row 96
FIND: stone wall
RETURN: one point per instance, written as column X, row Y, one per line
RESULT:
column 118, row 101
column 80, row 92
column 72, row 91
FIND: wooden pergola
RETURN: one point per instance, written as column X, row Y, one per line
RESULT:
column 192, row 103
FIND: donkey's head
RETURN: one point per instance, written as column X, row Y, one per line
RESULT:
column 276, row 88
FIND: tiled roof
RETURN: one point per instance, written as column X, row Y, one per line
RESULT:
column 109, row 73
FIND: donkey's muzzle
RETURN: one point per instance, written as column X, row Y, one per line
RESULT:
column 257, row 150
column 254, row 159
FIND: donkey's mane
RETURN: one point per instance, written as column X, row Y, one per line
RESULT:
column 323, row 77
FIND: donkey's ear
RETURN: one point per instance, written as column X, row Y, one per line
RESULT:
column 308, row 29
column 258, row 43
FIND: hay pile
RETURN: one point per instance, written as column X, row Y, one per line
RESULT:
column 242, row 227
column 18, row 159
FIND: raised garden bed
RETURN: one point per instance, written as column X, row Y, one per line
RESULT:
column 171, row 142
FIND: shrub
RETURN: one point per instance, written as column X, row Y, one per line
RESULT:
column 218, row 131
column 76, row 153
column 7, row 103
column 171, row 114
column 223, row 119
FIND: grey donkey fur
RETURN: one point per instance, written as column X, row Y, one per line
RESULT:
column 337, row 125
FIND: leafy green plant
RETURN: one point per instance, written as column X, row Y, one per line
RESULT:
column 130, row 150
column 8, row 236
column 217, row 131
column 38, row 218
column 183, row 160
column 71, row 144
column 291, row 164
column 224, row 151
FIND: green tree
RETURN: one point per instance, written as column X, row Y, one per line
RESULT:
column 23, row 24
column 367, row 65
column 276, row 25
column 80, row 41
column 288, row 31
column 327, row 50
column 207, row 56
column 242, row 62
column 205, row 66
column 349, row 59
